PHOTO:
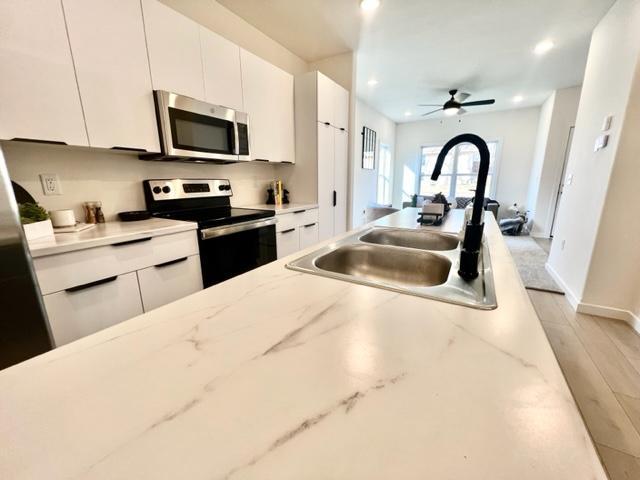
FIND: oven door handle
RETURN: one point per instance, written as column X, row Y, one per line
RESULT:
column 214, row 232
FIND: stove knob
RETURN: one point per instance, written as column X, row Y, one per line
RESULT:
column 166, row 189
column 221, row 187
column 227, row 187
column 156, row 190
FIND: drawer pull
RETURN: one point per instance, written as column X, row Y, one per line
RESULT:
column 129, row 242
column 309, row 225
column 288, row 230
column 299, row 211
column 90, row 284
column 171, row 262
column 129, row 149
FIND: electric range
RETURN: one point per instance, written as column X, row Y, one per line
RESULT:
column 232, row 240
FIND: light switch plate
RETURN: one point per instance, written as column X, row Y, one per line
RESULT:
column 50, row 184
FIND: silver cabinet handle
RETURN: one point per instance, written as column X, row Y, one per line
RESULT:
column 214, row 232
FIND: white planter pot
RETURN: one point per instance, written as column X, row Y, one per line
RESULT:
column 37, row 230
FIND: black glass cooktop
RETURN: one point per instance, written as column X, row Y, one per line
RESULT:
column 214, row 217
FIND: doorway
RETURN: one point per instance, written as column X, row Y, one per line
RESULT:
column 561, row 184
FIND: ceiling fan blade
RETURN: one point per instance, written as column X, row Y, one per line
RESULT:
column 433, row 111
column 429, row 104
column 461, row 111
column 461, row 96
column 478, row 102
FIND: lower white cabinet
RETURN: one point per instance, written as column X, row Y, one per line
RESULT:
column 296, row 230
column 169, row 281
column 79, row 311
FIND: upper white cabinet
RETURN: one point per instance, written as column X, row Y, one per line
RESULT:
column 221, row 66
column 38, row 92
column 268, row 99
column 173, row 42
column 110, row 56
column 340, row 179
column 332, row 102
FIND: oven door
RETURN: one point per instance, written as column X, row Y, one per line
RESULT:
column 190, row 128
column 231, row 250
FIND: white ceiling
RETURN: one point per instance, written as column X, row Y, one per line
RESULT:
column 419, row 49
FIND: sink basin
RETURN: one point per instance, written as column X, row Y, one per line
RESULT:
column 392, row 266
column 423, row 263
column 423, row 240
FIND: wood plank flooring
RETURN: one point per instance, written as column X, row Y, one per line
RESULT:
column 600, row 359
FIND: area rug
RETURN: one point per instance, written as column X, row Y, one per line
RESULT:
column 530, row 259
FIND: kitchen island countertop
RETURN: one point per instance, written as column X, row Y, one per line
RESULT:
column 283, row 375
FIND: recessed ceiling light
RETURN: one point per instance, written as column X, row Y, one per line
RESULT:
column 543, row 47
column 373, row 82
column 407, row 113
column 517, row 99
column 369, row 5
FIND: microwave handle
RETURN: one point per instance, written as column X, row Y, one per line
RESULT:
column 236, row 139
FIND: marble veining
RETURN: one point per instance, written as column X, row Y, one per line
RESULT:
column 283, row 375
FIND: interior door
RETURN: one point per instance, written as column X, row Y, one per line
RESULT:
column 567, row 151
column 326, row 152
column 340, row 173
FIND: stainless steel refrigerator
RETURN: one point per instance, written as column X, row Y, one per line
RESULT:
column 24, row 328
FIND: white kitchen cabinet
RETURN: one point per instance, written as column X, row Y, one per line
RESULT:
column 340, row 179
column 288, row 241
column 169, row 281
column 110, row 57
column 38, row 92
column 308, row 235
column 173, row 43
column 221, row 69
column 325, row 156
column 268, row 99
column 85, row 309
column 332, row 101
column 340, row 107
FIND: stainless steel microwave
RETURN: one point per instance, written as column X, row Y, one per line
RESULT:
column 192, row 130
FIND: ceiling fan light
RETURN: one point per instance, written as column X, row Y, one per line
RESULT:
column 449, row 112
column 369, row 5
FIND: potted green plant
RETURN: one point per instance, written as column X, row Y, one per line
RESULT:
column 35, row 221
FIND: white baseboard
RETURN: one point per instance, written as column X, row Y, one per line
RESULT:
column 591, row 309
column 571, row 297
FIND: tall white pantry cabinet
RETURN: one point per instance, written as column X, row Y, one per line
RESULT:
column 322, row 145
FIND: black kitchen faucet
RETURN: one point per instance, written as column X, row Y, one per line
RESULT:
column 470, row 253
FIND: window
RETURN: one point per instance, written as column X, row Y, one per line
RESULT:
column 384, row 176
column 459, row 171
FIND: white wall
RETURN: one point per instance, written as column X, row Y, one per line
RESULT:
column 559, row 113
column 514, row 129
column 364, row 182
column 116, row 178
column 594, row 253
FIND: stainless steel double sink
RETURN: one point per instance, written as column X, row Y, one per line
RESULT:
column 416, row 262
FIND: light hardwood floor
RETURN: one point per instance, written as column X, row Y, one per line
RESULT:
column 600, row 359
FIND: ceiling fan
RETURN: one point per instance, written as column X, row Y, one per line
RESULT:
column 454, row 105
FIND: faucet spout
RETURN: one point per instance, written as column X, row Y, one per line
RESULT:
column 470, row 253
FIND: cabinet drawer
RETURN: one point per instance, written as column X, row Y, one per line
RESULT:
column 288, row 242
column 58, row 272
column 166, row 282
column 77, row 313
column 308, row 235
column 296, row 219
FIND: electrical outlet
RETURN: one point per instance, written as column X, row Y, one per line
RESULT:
column 50, row 184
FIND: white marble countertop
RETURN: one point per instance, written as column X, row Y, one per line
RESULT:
column 106, row 234
column 286, row 208
column 278, row 374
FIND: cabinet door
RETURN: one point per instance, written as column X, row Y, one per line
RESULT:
column 340, row 180
column 38, row 92
column 75, row 314
column 170, row 281
column 340, row 107
column 221, row 66
column 110, row 56
column 308, row 235
column 268, row 99
column 173, row 42
column 288, row 242
column 326, row 102
column 325, row 180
